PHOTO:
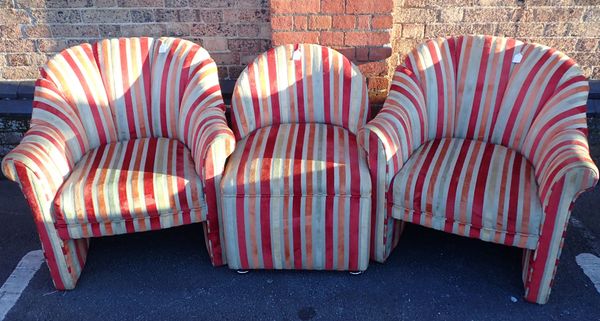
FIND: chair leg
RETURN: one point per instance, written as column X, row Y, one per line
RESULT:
column 65, row 259
column 539, row 266
column 539, row 269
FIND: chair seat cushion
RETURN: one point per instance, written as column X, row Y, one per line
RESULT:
column 469, row 188
column 297, row 196
column 130, row 186
column 298, row 159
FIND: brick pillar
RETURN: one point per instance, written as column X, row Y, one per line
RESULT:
column 360, row 29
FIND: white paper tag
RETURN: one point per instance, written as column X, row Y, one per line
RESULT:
column 517, row 58
column 297, row 55
column 164, row 47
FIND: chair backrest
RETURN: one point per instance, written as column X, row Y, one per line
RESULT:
column 488, row 88
column 126, row 88
column 299, row 84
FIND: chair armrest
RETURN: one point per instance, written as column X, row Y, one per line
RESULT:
column 556, row 143
column 42, row 155
column 51, row 147
column 565, row 155
column 398, row 129
column 202, row 124
column 212, row 143
column 204, row 131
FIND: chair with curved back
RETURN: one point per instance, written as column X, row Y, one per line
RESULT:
column 127, row 135
column 484, row 137
column 296, row 192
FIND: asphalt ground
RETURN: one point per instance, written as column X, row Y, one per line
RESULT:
column 167, row 275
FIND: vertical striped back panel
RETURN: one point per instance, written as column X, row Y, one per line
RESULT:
column 299, row 84
column 129, row 88
column 488, row 88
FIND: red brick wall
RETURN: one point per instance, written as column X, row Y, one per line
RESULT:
column 360, row 29
column 234, row 31
column 571, row 26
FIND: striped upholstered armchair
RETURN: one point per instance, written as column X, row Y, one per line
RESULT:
column 127, row 135
column 296, row 191
column 484, row 137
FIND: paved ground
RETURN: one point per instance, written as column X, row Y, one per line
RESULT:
column 430, row 276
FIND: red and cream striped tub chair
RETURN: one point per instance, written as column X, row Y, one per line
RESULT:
column 127, row 135
column 484, row 137
column 296, row 192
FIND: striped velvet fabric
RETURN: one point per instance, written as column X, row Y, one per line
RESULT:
column 125, row 187
column 297, row 196
column 299, row 84
column 296, row 192
column 117, row 128
column 469, row 188
column 527, row 100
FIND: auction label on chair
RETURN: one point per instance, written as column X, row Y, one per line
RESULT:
column 517, row 58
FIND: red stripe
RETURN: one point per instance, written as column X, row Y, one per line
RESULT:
column 504, row 79
column 512, row 118
column 165, row 73
column 558, row 117
column 373, row 160
column 185, row 69
column 440, row 89
column 300, row 90
column 194, row 111
column 404, row 91
column 479, row 196
column 89, row 184
column 148, row 180
column 551, row 85
column 240, row 208
column 78, row 135
column 541, row 254
column 296, row 206
column 454, row 45
column 41, row 227
column 273, row 83
column 146, row 72
column 573, row 80
column 347, row 91
column 58, row 144
column 513, row 201
column 458, row 169
column 265, row 205
column 180, row 154
column 354, row 180
column 201, row 65
column 326, row 85
column 94, row 109
column 330, row 179
column 124, row 180
column 124, row 53
column 420, row 182
column 254, row 95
